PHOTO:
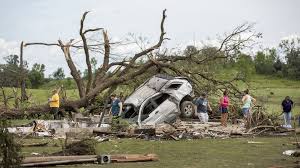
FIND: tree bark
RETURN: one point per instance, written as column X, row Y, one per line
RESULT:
column 87, row 54
column 72, row 67
column 24, row 96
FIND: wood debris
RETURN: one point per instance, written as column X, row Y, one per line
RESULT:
column 63, row 160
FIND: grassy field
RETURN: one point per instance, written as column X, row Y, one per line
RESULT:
column 40, row 96
column 268, row 90
column 191, row 153
column 271, row 91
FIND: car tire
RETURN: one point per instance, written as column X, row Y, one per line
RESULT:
column 187, row 109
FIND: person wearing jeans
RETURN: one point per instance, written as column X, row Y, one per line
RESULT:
column 247, row 103
column 287, row 105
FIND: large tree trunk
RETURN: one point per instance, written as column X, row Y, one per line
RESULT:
column 72, row 67
column 22, row 73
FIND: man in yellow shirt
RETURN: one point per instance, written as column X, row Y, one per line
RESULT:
column 54, row 104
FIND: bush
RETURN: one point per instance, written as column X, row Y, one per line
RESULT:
column 9, row 149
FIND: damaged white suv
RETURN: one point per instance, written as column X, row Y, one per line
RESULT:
column 160, row 99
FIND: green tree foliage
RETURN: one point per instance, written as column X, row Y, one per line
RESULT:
column 36, row 75
column 94, row 63
column 10, row 71
column 59, row 74
column 291, row 50
column 264, row 62
column 245, row 65
column 9, row 149
column 85, row 74
column 190, row 49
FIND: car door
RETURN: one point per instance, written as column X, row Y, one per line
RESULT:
column 158, row 109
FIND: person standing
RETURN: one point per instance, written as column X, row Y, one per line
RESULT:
column 287, row 105
column 224, row 103
column 202, row 105
column 54, row 104
column 116, row 106
column 247, row 102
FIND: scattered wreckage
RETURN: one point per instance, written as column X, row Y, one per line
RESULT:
column 161, row 99
column 81, row 126
column 155, row 104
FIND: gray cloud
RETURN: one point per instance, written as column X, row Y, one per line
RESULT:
column 188, row 21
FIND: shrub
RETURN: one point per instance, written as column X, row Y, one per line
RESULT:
column 9, row 149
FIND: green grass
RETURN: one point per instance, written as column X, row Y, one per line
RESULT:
column 39, row 96
column 194, row 153
column 262, row 86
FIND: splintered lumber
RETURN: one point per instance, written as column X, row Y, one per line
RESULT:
column 255, row 142
column 56, row 158
column 133, row 158
column 147, row 131
column 35, row 144
column 117, row 134
column 261, row 127
column 174, row 137
column 61, row 162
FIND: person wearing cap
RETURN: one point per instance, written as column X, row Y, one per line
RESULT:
column 116, row 106
column 54, row 104
column 202, row 105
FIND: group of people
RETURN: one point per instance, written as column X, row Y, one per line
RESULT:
column 201, row 103
column 203, row 106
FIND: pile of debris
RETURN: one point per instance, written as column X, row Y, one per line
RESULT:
column 81, row 127
column 195, row 130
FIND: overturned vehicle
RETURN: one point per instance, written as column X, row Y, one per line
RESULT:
column 160, row 99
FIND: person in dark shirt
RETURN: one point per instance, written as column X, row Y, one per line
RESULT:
column 202, row 105
column 116, row 106
column 287, row 105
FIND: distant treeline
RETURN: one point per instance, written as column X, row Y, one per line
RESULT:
column 283, row 61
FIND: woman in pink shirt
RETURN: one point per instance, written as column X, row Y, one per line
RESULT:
column 224, row 103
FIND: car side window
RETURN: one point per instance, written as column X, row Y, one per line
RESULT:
column 175, row 86
column 148, row 108
column 159, row 100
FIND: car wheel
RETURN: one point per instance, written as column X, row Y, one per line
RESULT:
column 187, row 109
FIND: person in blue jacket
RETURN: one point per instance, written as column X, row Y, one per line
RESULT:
column 287, row 105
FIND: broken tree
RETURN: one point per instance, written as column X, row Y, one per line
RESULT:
column 113, row 73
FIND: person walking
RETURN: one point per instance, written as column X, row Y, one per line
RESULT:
column 287, row 105
column 116, row 106
column 202, row 105
column 54, row 104
column 247, row 101
column 224, row 103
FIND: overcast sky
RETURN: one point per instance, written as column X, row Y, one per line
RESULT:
column 187, row 21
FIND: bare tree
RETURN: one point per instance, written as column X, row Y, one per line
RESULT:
column 113, row 73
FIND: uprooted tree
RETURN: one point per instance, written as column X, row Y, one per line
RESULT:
column 117, row 72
